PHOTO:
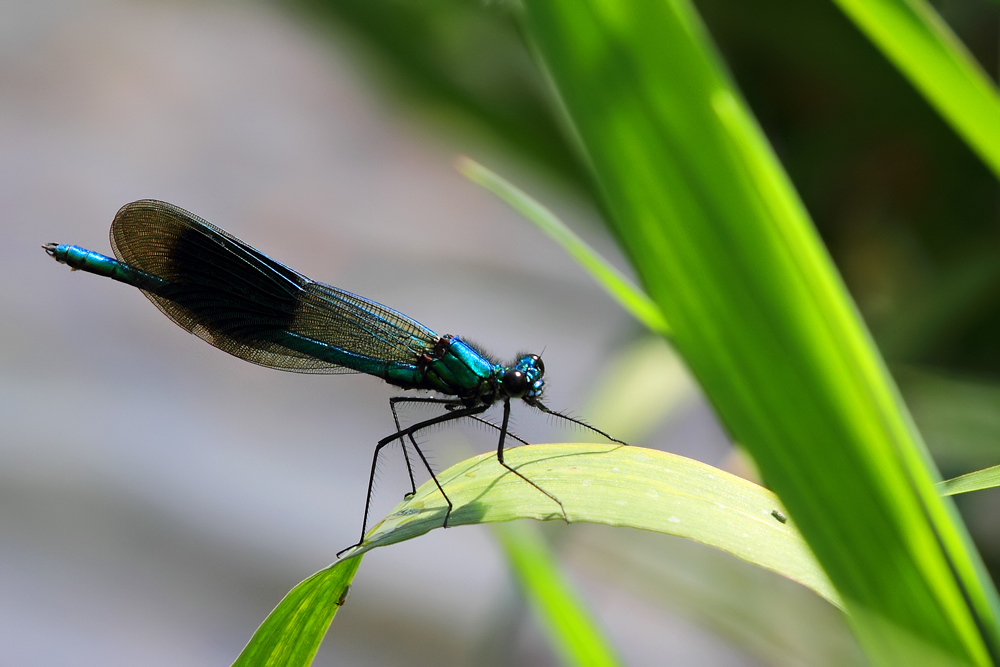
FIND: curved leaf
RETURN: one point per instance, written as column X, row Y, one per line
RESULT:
column 618, row 486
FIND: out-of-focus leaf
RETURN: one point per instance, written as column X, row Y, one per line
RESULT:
column 757, row 311
column 912, row 35
column 957, row 415
column 927, row 316
column 462, row 61
column 631, row 298
column 574, row 632
column 618, row 486
column 771, row 618
column 639, row 387
column 291, row 634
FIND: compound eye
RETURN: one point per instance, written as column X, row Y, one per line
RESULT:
column 514, row 383
column 538, row 363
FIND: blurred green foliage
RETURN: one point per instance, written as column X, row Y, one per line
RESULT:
column 462, row 62
column 908, row 211
column 905, row 207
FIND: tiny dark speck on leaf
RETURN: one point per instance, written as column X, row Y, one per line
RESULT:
column 779, row 516
column 343, row 596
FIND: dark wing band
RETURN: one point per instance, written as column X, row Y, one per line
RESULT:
column 244, row 303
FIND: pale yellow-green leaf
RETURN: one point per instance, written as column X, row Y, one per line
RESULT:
column 618, row 486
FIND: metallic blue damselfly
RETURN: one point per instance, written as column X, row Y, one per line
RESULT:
column 231, row 295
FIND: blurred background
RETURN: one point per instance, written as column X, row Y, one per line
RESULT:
column 158, row 498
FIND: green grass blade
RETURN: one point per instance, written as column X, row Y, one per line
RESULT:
column 617, row 486
column 575, row 634
column 757, row 311
column 918, row 41
column 631, row 298
column 291, row 634
column 974, row 481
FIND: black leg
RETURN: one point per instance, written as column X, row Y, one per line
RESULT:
column 407, row 432
column 503, row 435
column 437, row 401
column 577, row 422
column 493, row 426
column 368, row 501
column 406, row 455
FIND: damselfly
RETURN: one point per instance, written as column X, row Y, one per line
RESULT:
column 241, row 301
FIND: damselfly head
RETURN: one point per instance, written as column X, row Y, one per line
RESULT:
column 524, row 378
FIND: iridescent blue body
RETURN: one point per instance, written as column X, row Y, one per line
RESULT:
column 247, row 304
column 445, row 364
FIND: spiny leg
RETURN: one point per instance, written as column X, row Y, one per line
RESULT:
column 437, row 401
column 493, row 426
column 406, row 454
column 447, row 514
column 409, row 431
column 368, row 500
column 578, row 422
column 452, row 404
column 503, row 436
column 399, row 435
